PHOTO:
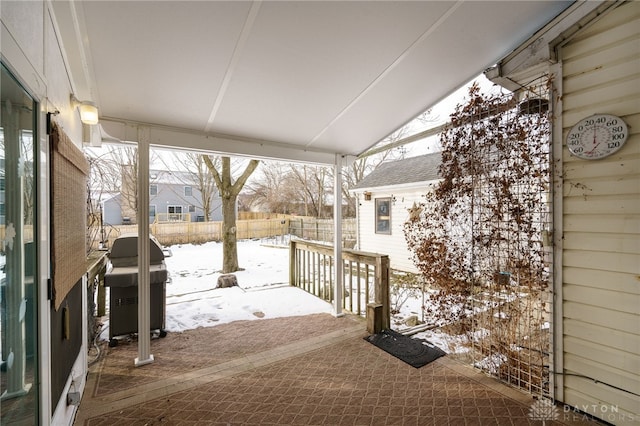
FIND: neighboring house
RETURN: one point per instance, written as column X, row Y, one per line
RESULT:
column 173, row 196
column 111, row 210
column 384, row 199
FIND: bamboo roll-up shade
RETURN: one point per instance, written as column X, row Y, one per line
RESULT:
column 69, row 171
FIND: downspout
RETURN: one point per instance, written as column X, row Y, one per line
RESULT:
column 144, row 280
column 337, row 236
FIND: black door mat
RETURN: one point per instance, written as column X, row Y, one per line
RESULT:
column 415, row 352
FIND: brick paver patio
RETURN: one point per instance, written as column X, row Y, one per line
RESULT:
column 311, row 370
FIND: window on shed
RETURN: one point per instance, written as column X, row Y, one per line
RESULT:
column 188, row 191
column 383, row 215
column 153, row 189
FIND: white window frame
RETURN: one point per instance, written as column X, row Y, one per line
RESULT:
column 383, row 216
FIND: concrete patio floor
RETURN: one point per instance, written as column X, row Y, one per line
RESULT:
column 311, row 370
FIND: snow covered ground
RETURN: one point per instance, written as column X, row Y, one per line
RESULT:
column 263, row 291
column 263, row 287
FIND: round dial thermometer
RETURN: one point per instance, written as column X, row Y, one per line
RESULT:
column 597, row 136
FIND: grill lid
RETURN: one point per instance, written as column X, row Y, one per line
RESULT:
column 125, row 251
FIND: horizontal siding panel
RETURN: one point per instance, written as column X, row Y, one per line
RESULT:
column 624, row 163
column 602, row 372
column 603, row 298
column 393, row 245
column 618, row 17
column 622, row 107
column 601, row 317
column 628, row 363
column 614, row 243
column 604, row 72
column 623, row 49
column 614, row 281
column 618, row 185
column 603, row 261
column 616, row 205
column 582, row 394
column 616, row 339
column 615, row 224
column 614, row 92
column 366, row 224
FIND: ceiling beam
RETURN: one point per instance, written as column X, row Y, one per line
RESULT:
column 237, row 54
column 189, row 140
column 405, row 141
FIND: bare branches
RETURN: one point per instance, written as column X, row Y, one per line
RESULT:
column 486, row 216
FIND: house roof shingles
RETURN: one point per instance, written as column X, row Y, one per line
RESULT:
column 423, row 168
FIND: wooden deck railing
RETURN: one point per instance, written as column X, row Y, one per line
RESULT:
column 365, row 276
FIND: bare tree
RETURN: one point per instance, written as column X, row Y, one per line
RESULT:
column 292, row 188
column 229, row 190
column 364, row 165
column 273, row 189
column 312, row 185
column 115, row 170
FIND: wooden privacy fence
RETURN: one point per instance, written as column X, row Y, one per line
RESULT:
column 311, row 228
column 365, row 276
column 169, row 233
column 184, row 232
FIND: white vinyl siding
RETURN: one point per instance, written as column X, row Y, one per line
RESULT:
column 601, row 222
column 394, row 245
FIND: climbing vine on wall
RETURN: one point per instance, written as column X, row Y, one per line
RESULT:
column 479, row 237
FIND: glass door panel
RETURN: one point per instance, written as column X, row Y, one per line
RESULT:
column 18, row 295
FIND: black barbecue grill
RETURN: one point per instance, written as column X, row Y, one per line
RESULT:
column 122, row 280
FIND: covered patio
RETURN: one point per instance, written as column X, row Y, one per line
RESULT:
column 312, row 82
column 311, row 370
column 318, row 83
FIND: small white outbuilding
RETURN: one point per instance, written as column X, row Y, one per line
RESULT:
column 385, row 199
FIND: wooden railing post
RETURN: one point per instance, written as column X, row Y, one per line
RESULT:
column 308, row 264
column 382, row 289
column 292, row 263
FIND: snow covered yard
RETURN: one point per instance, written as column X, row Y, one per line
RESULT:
column 263, row 291
column 263, row 287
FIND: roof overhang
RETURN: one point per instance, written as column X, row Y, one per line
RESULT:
column 533, row 57
column 293, row 80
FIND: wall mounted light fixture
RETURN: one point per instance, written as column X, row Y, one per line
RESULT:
column 367, row 196
column 88, row 110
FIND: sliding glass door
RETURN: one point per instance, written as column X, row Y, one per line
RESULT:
column 18, row 286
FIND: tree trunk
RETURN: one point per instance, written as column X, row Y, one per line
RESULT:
column 229, row 193
column 229, row 246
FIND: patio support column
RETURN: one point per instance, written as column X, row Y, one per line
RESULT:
column 337, row 236
column 144, row 285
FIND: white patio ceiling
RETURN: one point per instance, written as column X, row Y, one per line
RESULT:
column 297, row 80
